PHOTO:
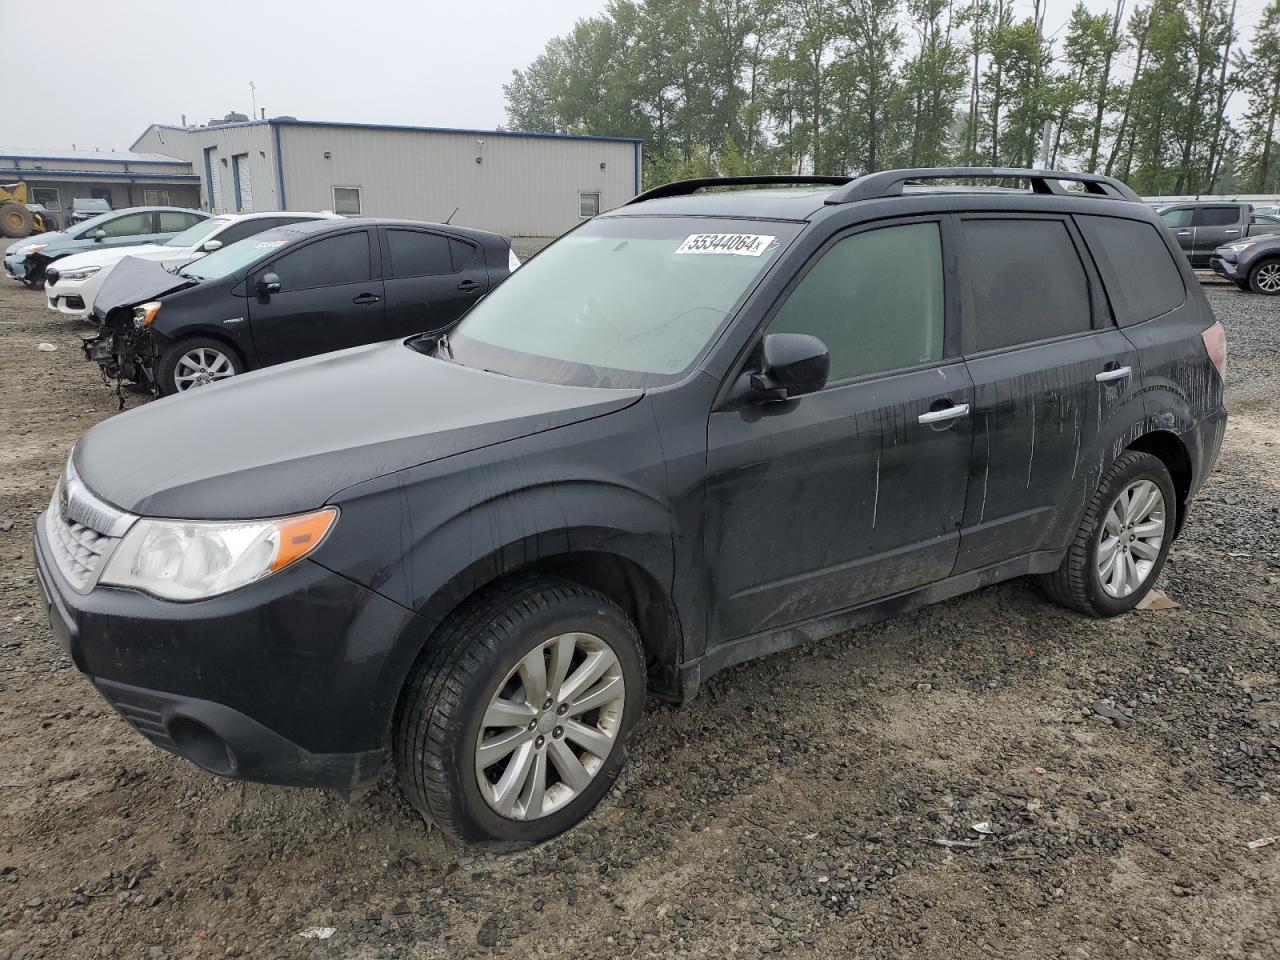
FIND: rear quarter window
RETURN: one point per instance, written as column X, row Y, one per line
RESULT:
column 1142, row 278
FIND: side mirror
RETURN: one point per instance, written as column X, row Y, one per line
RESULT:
column 268, row 284
column 98, row 235
column 211, row 245
column 792, row 364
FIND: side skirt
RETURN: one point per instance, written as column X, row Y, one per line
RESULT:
column 695, row 672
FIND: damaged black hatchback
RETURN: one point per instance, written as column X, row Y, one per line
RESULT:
column 305, row 288
column 711, row 424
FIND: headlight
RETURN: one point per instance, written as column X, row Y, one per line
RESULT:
column 145, row 313
column 196, row 559
column 80, row 273
column 32, row 248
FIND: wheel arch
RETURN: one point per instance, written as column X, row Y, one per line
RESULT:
column 1169, row 448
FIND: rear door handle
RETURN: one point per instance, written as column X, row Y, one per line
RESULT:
column 946, row 413
column 468, row 285
column 1118, row 373
column 1232, row 230
column 365, row 299
column 1184, row 233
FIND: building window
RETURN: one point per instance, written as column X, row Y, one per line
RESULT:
column 47, row 197
column 155, row 198
column 346, row 201
column 588, row 204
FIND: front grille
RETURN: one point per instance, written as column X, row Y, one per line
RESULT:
column 82, row 530
column 77, row 549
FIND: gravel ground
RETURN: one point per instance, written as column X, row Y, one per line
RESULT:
column 817, row 803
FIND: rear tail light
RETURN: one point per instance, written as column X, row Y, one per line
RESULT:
column 1215, row 344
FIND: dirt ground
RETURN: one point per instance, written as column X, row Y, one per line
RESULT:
column 798, row 807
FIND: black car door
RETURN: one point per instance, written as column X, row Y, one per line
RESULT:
column 431, row 279
column 1051, row 371
column 854, row 492
column 330, row 297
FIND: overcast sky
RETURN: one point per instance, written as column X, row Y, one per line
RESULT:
column 418, row 62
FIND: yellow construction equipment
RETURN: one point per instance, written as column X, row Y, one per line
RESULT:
column 15, row 219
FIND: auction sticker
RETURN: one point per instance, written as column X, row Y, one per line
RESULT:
column 737, row 244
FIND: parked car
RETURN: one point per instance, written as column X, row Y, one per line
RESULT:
column 697, row 429
column 1252, row 264
column 27, row 259
column 287, row 293
column 86, row 208
column 73, row 282
column 1200, row 228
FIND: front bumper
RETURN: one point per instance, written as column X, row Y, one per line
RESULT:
column 15, row 268
column 128, row 355
column 290, row 681
column 1225, row 268
column 65, row 299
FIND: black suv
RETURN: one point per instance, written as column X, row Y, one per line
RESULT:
column 701, row 428
column 294, row 291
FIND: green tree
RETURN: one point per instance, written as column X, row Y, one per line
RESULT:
column 1260, row 78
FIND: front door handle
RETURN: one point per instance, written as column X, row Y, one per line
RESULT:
column 946, row 413
column 1115, row 373
column 365, row 299
column 466, row 286
column 1232, row 230
column 1184, row 233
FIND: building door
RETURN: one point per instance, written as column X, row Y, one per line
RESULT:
column 244, row 185
column 213, row 178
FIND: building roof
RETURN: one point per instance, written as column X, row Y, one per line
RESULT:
column 289, row 122
column 102, row 156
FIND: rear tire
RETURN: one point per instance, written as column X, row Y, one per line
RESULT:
column 1264, row 277
column 16, row 221
column 469, row 694
column 1079, row 582
column 194, row 362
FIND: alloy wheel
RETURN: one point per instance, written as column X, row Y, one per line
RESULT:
column 1269, row 278
column 1133, row 532
column 202, row 365
column 550, row 726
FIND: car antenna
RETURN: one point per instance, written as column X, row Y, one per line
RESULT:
column 455, row 210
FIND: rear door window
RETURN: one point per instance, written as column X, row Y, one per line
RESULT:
column 1025, row 282
column 1178, row 218
column 1215, row 216
column 325, row 263
column 416, row 253
column 175, row 221
column 874, row 299
column 1141, row 276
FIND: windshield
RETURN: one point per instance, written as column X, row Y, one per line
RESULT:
column 228, row 260
column 193, row 235
column 621, row 302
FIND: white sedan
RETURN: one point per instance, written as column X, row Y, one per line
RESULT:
column 72, row 283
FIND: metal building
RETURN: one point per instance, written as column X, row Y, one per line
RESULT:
column 57, row 177
column 519, row 184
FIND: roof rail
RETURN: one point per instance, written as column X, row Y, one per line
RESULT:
column 681, row 188
column 889, row 183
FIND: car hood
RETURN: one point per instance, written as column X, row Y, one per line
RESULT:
column 286, row 439
column 106, row 258
column 134, row 280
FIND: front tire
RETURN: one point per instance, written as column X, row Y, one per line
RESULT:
column 1121, row 544
column 195, row 362
column 512, row 725
column 1264, row 277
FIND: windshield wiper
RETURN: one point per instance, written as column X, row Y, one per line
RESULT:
column 443, row 344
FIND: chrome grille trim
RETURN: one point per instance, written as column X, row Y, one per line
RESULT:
column 82, row 530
